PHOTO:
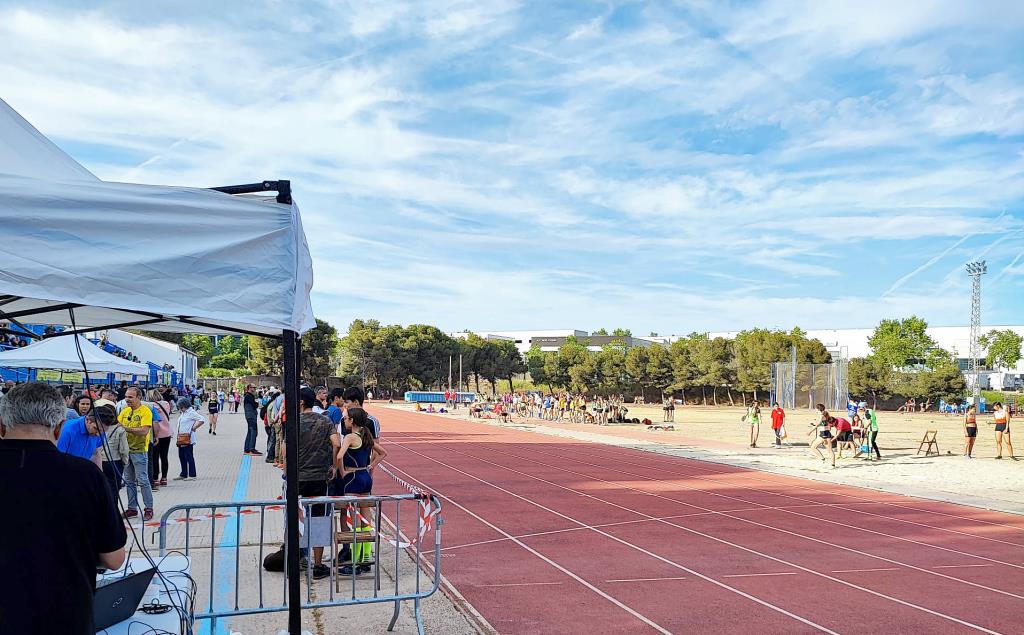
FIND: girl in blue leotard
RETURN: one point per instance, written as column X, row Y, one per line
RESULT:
column 358, row 455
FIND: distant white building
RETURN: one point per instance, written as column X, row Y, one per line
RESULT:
column 159, row 352
column 524, row 339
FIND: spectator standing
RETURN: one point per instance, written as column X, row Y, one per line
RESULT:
column 82, row 436
column 67, row 523
column 251, row 413
column 1002, row 420
column 318, row 444
column 69, row 395
column 159, row 458
column 238, row 400
column 188, row 422
column 116, row 452
column 353, row 398
column 778, row 421
column 277, row 423
column 220, row 399
column 334, row 411
column 82, row 405
column 137, row 420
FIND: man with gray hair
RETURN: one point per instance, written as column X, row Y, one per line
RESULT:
column 67, row 522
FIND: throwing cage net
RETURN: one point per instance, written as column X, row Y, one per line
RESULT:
column 802, row 385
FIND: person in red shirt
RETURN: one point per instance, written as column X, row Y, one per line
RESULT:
column 843, row 435
column 778, row 420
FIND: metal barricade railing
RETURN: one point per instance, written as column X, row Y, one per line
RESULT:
column 350, row 521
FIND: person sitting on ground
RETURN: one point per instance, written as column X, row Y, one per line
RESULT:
column 502, row 413
column 67, row 521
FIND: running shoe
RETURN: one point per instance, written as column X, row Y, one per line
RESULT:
column 321, row 571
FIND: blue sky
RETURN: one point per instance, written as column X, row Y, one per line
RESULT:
column 665, row 167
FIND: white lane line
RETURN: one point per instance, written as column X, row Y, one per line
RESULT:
column 549, row 561
column 959, row 566
column 865, row 570
column 783, row 480
column 699, row 533
column 647, row 579
column 672, row 563
column 757, row 575
column 795, row 513
column 787, row 511
column 520, row 584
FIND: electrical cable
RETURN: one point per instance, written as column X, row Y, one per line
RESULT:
column 184, row 614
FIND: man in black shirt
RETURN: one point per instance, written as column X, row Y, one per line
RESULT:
column 67, row 524
column 251, row 412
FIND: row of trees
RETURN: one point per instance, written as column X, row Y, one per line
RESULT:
column 696, row 363
column 419, row 356
column 906, row 362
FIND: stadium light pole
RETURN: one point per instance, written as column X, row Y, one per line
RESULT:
column 976, row 270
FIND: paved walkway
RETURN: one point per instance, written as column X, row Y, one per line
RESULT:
column 224, row 474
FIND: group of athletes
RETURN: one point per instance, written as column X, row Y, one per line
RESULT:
column 558, row 407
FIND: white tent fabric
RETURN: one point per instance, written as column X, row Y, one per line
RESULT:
column 59, row 353
column 187, row 260
column 24, row 151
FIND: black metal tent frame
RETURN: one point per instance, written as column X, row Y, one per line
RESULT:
column 290, row 380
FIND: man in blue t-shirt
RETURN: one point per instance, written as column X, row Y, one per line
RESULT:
column 82, row 436
column 334, row 411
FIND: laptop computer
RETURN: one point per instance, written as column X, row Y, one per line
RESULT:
column 118, row 598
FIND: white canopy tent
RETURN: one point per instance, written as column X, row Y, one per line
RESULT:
column 88, row 254
column 60, row 353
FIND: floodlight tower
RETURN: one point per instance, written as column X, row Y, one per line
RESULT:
column 975, row 270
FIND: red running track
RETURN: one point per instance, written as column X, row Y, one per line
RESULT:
column 545, row 535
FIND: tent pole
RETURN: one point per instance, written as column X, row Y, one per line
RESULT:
column 291, row 431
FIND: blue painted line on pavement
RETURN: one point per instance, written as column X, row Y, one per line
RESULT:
column 224, row 595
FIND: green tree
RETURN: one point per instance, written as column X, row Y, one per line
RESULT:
column 945, row 382
column 622, row 333
column 684, row 372
column 1003, row 348
column 601, row 331
column 756, row 350
column 509, row 361
column 611, row 362
column 637, row 359
column 318, row 346
column 535, row 360
column 232, row 361
column 584, row 374
column 869, row 376
column 712, row 364
column 903, row 343
column 201, row 345
column 267, row 355
column 659, row 368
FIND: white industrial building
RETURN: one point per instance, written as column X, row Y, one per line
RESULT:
column 159, row 352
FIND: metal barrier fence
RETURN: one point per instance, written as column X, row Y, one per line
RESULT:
column 333, row 522
column 802, row 385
